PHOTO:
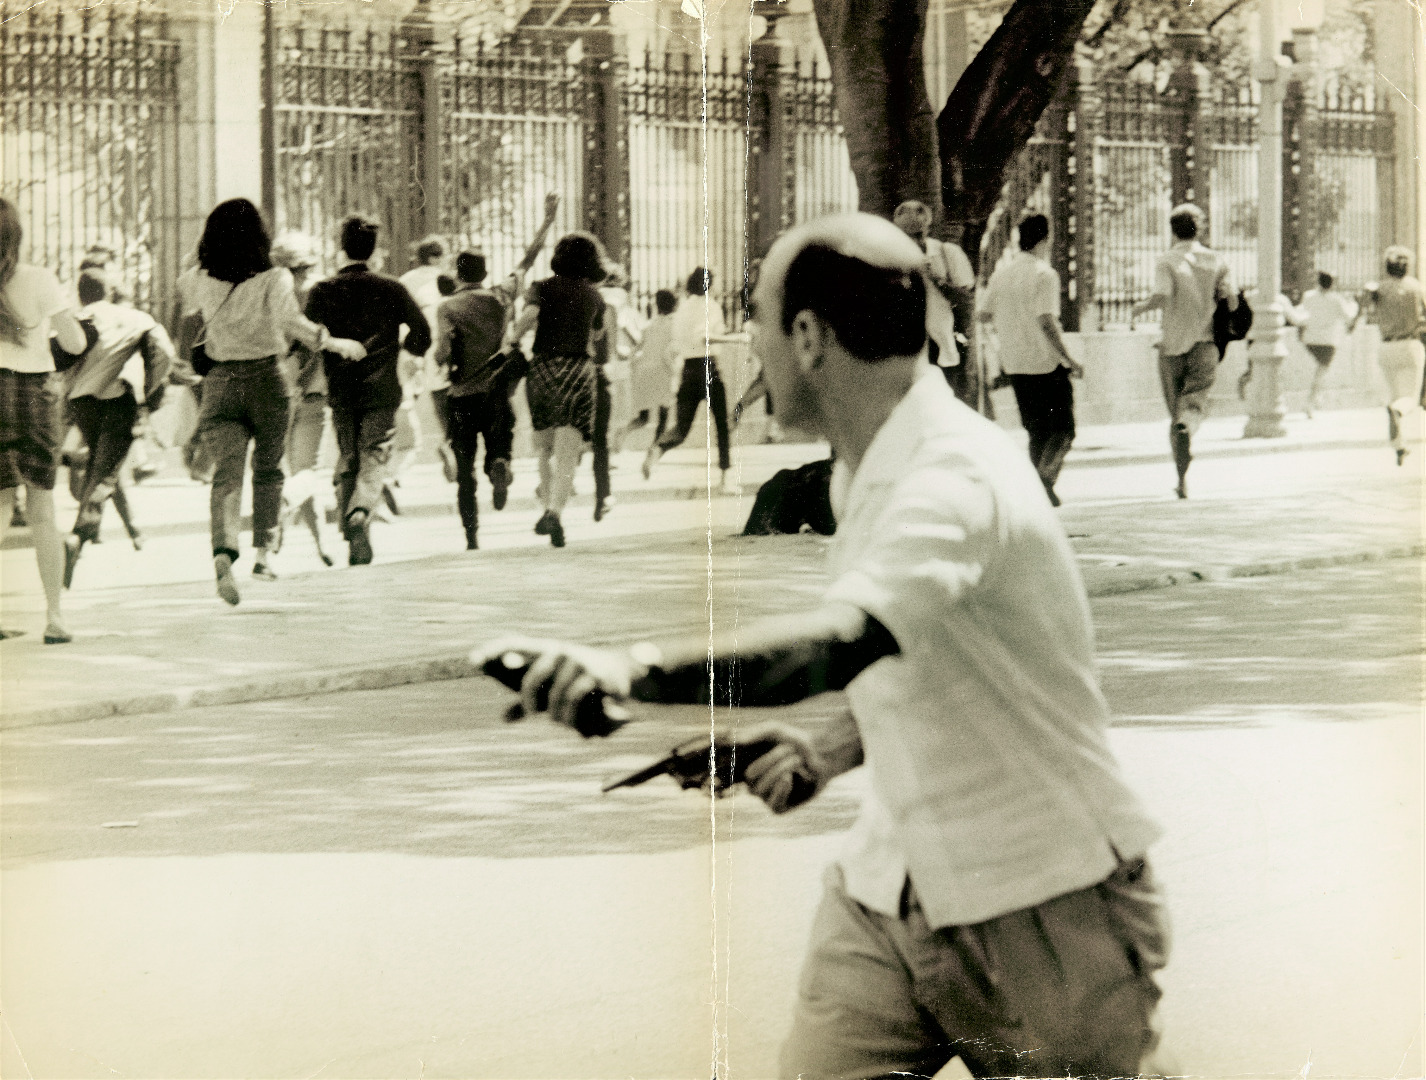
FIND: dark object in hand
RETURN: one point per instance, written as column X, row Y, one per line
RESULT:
column 596, row 716
column 1232, row 325
column 689, row 764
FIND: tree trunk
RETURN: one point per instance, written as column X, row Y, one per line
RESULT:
column 874, row 47
column 992, row 111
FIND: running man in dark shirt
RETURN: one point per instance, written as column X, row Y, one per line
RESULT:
column 365, row 394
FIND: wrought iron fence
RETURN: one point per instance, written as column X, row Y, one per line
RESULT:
column 656, row 155
column 347, row 133
column 1152, row 147
column 89, row 142
column 514, row 128
column 690, row 126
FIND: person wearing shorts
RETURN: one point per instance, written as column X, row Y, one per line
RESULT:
column 32, row 305
column 1326, row 316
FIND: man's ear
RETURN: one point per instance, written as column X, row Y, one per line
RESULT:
column 809, row 338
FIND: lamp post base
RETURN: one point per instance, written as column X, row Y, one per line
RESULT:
column 1267, row 349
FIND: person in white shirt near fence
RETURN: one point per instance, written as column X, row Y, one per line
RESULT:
column 1326, row 317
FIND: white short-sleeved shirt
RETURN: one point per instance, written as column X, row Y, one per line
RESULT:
column 1192, row 279
column 947, row 264
column 1020, row 291
column 992, row 783
column 1326, row 314
column 36, row 297
column 695, row 320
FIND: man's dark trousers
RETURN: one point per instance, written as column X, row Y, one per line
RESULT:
column 364, row 438
column 107, row 426
column 485, row 414
column 700, row 380
column 1046, row 404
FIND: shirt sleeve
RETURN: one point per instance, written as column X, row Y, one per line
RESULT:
column 287, row 315
column 962, row 276
column 1047, row 292
column 932, row 545
column 52, row 296
column 1163, row 279
column 418, row 330
column 442, row 355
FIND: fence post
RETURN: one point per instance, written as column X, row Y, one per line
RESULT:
column 1087, row 114
column 1301, row 137
column 767, row 214
column 1059, row 166
column 606, row 154
column 418, row 34
column 1190, row 121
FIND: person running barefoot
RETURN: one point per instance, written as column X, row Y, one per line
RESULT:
column 1189, row 280
column 1326, row 316
column 32, row 305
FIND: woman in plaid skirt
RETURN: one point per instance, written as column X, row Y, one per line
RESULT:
column 567, row 313
column 32, row 305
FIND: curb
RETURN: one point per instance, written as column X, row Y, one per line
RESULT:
column 458, row 666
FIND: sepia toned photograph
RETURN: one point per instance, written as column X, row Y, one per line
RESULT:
column 712, row 539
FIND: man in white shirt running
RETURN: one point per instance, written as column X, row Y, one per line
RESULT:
column 993, row 901
column 1022, row 302
column 1189, row 280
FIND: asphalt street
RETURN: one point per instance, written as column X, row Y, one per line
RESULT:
column 399, row 883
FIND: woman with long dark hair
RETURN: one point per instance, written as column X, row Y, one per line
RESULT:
column 32, row 305
column 250, row 319
column 566, row 312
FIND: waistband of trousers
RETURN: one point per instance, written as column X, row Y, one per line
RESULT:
column 242, row 365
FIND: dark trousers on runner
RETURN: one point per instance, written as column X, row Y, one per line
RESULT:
column 107, row 426
column 470, row 418
column 700, row 381
column 603, row 407
column 1046, row 404
column 244, row 401
column 364, row 441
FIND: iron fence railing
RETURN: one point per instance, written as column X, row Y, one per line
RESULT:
column 89, row 142
column 1154, row 146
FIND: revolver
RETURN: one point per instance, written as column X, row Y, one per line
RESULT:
column 696, row 763
column 596, row 715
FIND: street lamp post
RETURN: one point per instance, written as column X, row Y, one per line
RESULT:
column 1267, row 340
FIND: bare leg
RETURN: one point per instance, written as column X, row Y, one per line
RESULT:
column 126, row 515
column 49, row 554
column 7, row 507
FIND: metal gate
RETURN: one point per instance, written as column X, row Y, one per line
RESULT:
column 89, row 143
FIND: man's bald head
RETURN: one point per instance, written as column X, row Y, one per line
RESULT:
column 859, row 274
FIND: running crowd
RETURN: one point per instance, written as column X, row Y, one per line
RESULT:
column 278, row 359
column 280, row 362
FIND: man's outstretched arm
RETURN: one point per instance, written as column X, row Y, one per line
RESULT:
column 552, row 205
column 775, row 661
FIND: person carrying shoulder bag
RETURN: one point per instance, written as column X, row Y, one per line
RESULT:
column 251, row 317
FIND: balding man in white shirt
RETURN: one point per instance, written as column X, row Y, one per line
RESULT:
column 993, row 901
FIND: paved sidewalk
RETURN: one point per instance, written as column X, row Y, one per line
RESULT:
column 160, row 647
column 172, row 504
